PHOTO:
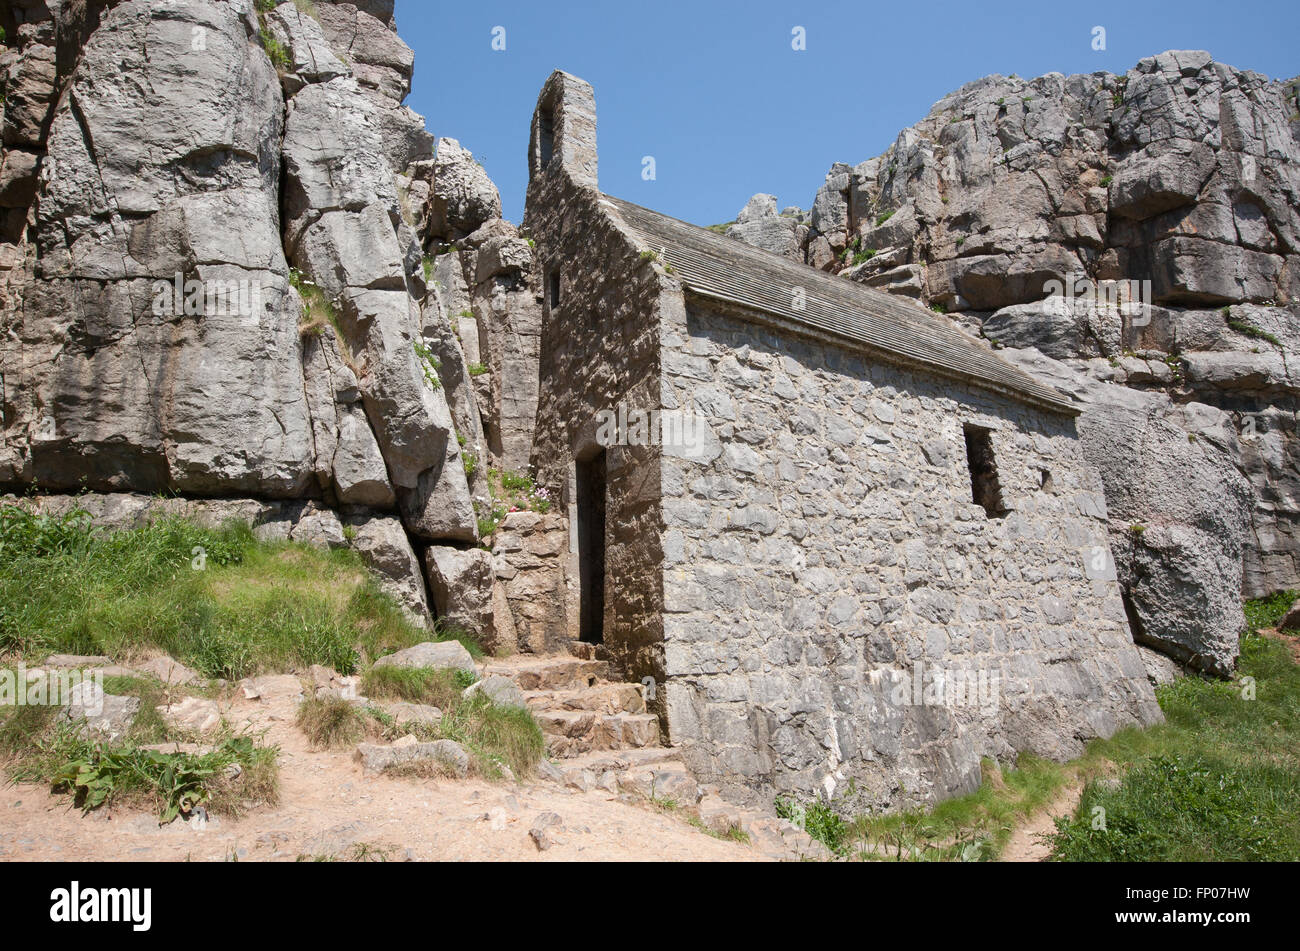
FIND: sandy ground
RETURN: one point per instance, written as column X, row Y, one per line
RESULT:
column 329, row 808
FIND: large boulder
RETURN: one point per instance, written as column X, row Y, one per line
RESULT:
column 440, row 655
column 154, row 350
column 461, row 584
column 384, row 546
column 463, row 195
column 1179, row 511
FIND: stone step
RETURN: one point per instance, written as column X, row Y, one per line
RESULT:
column 571, row 733
column 602, row 698
column 558, row 672
column 617, row 761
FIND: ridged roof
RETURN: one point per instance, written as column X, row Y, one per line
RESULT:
column 714, row 266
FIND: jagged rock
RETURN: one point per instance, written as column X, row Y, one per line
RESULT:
column 349, row 463
column 463, row 195
column 544, row 831
column 447, row 755
column 461, row 584
column 1058, row 327
column 383, row 545
column 759, row 206
column 312, row 60
column 115, row 389
column 1179, row 512
column 192, row 715
column 442, row 655
column 413, row 713
column 502, row 691
column 90, row 710
column 363, row 33
column 170, row 671
column 508, row 318
column 338, row 147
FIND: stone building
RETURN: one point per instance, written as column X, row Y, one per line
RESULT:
column 878, row 554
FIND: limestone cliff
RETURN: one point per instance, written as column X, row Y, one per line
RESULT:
column 234, row 266
column 1183, row 172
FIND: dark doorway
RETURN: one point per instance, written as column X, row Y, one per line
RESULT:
column 591, row 547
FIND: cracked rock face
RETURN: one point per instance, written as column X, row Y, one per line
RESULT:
column 1183, row 172
column 172, row 176
column 151, row 325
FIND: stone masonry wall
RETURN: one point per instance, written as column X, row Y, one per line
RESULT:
column 599, row 350
column 829, row 545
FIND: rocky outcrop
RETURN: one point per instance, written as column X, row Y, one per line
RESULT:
column 218, row 237
column 1179, row 511
column 759, row 224
column 1184, row 173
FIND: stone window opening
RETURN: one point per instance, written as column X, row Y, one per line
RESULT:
column 553, row 288
column 590, row 497
column 1045, row 480
column 986, row 489
column 546, row 137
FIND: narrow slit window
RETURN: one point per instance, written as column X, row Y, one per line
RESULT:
column 553, row 288
column 986, row 490
column 546, row 135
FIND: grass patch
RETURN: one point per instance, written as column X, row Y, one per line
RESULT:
column 219, row 601
column 435, row 688
column 331, row 722
column 1219, row 781
column 234, row 776
column 492, row 735
column 1268, row 612
column 1250, row 330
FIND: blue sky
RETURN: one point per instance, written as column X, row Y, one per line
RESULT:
column 714, row 92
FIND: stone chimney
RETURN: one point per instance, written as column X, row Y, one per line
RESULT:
column 564, row 131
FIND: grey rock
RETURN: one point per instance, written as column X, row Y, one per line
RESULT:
column 447, row 755
column 502, row 691
column 417, row 713
column 461, row 582
column 544, row 831
column 443, row 655
column 170, row 671
column 192, row 715
column 383, row 545
column 91, row 711
column 463, row 195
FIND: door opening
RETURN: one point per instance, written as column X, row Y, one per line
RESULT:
column 591, row 548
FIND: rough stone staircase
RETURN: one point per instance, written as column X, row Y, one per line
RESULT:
column 601, row 736
column 578, row 707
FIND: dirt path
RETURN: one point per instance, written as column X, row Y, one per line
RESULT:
column 1027, row 842
column 329, row 808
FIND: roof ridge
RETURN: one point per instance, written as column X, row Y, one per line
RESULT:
column 728, row 269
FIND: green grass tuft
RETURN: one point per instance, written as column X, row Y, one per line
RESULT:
column 219, row 601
